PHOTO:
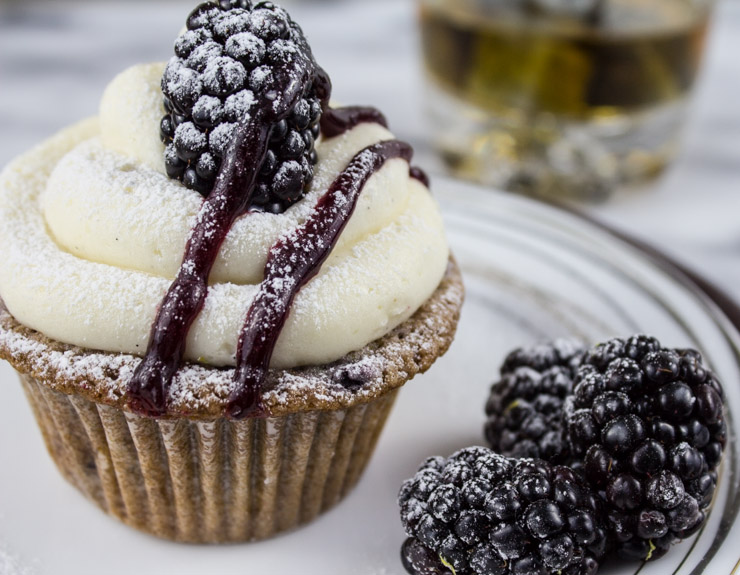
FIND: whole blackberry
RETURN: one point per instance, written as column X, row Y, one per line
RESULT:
column 224, row 66
column 481, row 513
column 524, row 409
column 648, row 424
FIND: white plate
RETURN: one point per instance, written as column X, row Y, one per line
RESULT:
column 532, row 273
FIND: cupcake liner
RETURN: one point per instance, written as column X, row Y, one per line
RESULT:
column 208, row 481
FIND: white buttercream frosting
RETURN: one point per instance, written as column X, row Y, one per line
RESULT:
column 93, row 232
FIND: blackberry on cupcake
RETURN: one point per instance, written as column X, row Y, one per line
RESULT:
column 230, row 52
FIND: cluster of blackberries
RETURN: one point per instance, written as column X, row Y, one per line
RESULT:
column 231, row 54
column 621, row 441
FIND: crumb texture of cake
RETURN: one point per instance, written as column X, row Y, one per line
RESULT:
column 94, row 232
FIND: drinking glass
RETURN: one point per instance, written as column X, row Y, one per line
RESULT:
column 565, row 98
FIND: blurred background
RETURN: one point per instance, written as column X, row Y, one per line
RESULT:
column 57, row 56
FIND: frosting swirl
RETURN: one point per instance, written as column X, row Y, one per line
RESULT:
column 94, row 232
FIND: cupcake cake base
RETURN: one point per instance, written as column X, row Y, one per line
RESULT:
column 196, row 476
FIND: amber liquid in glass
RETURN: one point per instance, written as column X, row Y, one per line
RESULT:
column 524, row 82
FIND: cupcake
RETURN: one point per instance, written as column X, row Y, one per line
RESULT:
column 213, row 290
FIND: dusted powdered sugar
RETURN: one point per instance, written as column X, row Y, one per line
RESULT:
column 189, row 137
column 199, row 58
column 220, row 137
column 223, row 75
column 239, row 105
column 232, row 22
column 208, row 109
column 246, row 46
column 117, row 231
column 260, row 77
column 200, row 391
column 183, row 83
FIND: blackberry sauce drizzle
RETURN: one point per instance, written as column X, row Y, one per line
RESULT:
column 291, row 263
column 230, row 197
column 340, row 120
column 287, row 268
column 419, row 174
column 148, row 387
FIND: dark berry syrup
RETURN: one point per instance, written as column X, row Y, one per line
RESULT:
column 187, row 293
column 230, row 197
column 419, row 174
column 291, row 262
column 340, row 120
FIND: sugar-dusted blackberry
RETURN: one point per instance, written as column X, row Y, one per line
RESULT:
column 420, row 560
column 524, row 409
column 561, row 352
column 480, row 513
column 648, row 424
column 224, row 66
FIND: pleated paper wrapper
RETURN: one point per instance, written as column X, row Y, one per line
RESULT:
column 208, row 481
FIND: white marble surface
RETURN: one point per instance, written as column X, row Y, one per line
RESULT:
column 56, row 57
